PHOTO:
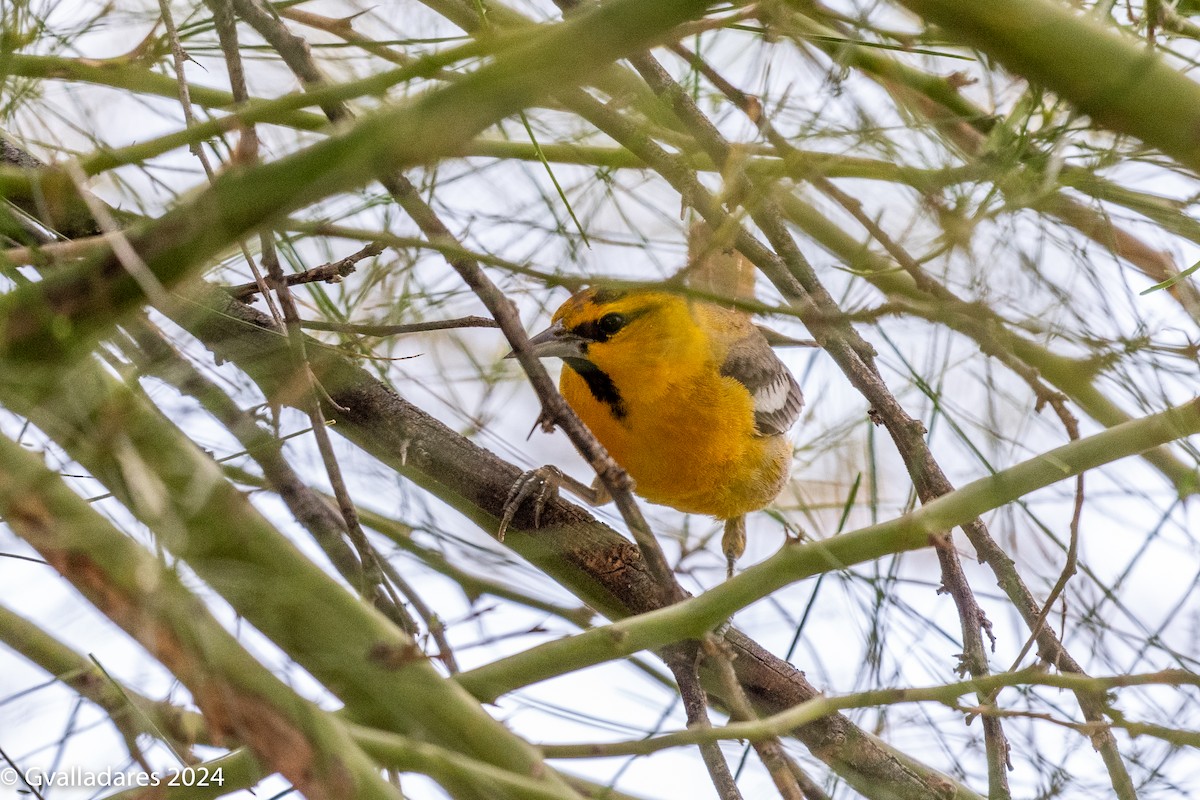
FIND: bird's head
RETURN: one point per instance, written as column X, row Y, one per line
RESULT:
column 617, row 332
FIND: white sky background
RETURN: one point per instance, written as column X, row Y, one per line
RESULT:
column 852, row 639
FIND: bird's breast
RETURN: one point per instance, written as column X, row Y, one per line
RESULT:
column 692, row 448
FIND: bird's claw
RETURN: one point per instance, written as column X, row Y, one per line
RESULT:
column 543, row 481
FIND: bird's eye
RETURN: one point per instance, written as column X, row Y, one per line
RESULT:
column 611, row 323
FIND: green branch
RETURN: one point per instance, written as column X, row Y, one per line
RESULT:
column 132, row 713
column 912, row 531
column 236, row 693
column 283, row 110
column 1118, row 81
column 803, row 714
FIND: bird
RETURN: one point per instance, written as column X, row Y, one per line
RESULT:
column 686, row 395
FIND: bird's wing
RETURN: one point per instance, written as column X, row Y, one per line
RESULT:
column 777, row 396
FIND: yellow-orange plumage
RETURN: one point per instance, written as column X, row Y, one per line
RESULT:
column 687, row 437
column 686, row 396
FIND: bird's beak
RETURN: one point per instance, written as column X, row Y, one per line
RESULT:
column 556, row 342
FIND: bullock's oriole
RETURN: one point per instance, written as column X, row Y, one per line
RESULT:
column 687, row 396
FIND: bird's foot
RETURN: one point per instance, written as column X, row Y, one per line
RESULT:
column 733, row 542
column 541, row 484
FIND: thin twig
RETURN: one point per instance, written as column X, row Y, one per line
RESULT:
column 1072, row 562
column 976, row 532
column 297, row 55
column 57, row 252
column 770, row 750
column 183, row 756
column 821, row 706
column 812, row 790
column 954, row 581
column 372, row 570
column 362, row 329
column 554, row 408
column 225, row 24
column 682, row 660
column 126, row 255
column 19, row 773
column 178, row 59
column 332, row 272
column 433, row 623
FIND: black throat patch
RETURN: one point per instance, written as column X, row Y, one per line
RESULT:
column 601, row 386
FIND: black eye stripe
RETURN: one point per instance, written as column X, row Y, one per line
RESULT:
column 593, row 331
column 590, row 330
column 604, row 328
